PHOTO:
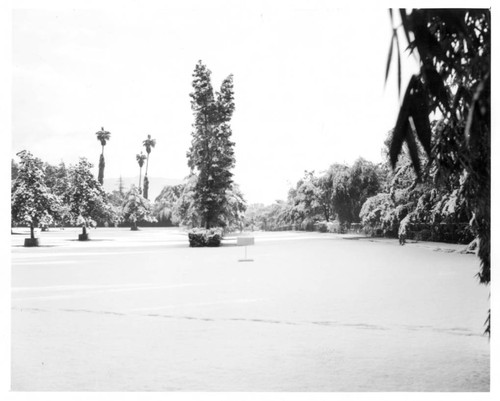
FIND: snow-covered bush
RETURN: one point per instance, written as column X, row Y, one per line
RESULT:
column 199, row 237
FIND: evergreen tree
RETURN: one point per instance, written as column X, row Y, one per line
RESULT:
column 185, row 211
column 86, row 198
column 32, row 202
column 211, row 155
column 136, row 208
column 341, row 200
column 56, row 178
column 363, row 183
column 235, row 208
column 165, row 204
column 312, row 197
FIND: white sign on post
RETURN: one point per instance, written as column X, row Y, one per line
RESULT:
column 245, row 241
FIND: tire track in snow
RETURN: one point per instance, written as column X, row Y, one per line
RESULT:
column 450, row 331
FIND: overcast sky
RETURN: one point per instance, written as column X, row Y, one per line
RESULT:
column 308, row 81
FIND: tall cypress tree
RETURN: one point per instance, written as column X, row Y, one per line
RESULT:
column 211, row 155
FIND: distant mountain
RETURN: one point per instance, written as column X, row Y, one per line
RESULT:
column 156, row 184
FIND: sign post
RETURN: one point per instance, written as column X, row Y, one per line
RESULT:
column 245, row 241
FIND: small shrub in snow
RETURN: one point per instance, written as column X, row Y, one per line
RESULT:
column 199, row 237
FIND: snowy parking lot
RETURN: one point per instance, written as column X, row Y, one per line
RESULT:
column 313, row 312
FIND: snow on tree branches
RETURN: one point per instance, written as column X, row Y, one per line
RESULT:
column 211, row 155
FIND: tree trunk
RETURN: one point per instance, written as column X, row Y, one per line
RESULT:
column 147, row 164
column 146, row 186
column 326, row 215
column 32, row 241
column 146, row 181
column 100, row 177
column 140, row 179
column 83, row 236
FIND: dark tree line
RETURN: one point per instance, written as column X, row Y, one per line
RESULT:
column 336, row 194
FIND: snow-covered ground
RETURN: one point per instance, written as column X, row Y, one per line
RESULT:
column 312, row 312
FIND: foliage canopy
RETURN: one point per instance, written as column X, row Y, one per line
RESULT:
column 454, row 48
column 32, row 203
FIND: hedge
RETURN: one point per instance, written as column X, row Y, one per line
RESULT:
column 199, row 237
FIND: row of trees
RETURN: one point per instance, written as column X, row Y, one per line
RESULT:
column 177, row 205
column 149, row 143
column 336, row 194
column 43, row 195
column 376, row 198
